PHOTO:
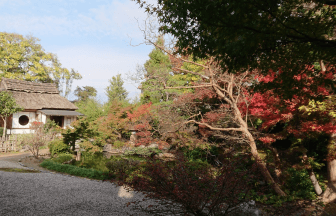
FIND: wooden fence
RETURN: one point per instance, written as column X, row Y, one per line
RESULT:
column 8, row 143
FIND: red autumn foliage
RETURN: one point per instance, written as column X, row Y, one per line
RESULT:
column 272, row 109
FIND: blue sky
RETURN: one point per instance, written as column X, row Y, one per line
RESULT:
column 91, row 36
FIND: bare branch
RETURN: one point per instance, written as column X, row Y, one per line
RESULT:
column 187, row 87
column 188, row 71
column 214, row 128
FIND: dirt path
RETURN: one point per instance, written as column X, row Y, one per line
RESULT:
column 24, row 158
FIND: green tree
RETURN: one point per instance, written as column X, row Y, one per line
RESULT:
column 116, row 90
column 91, row 108
column 160, row 70
column 8, row 106
column 24, row 58
column 85, row 92
column 156, row 72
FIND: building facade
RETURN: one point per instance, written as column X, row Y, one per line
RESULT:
column 40, row 101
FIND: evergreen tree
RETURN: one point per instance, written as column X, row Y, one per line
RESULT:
column 116, row 91
column 85, row 93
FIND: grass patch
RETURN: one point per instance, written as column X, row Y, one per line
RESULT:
column 18, row 170
column 73, row 170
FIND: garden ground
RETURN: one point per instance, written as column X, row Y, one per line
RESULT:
column 69, row 195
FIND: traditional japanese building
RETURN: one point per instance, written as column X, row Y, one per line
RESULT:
column 40, row 101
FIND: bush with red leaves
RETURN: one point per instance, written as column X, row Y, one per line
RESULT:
column 185, row 188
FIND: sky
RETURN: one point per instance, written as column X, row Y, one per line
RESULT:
column 95, row 37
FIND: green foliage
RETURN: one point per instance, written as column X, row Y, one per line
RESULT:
column 122, row 166
column 73, row 170
column 57, row 146
column 91, row 108
column 24, row 58
column 158, row 70
column 95, row 161
column 299, row 184
column 194, row 154
column 63, row 157
column 81, row 130
column 116, row 91
column 243, row 35
column 50, row 125
column 85, row 93
column 144, row 152
column 119, row 144
column 2, row 130
column 8, row 106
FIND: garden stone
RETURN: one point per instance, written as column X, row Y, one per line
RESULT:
column 107, row 147
column 153, row 145
column 169, row 156
column 246, row 208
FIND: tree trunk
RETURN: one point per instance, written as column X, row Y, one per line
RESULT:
column 329, row 194
column 243, row 125
column 5, row 126
column 317, row 187
column 261, row 165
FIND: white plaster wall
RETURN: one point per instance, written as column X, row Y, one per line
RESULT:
column 68, row 120
column 21, row 131
column 16, row 116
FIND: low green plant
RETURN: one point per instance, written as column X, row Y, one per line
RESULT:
column 300, row 185
column 73, row 170
column 18, row 170
column 118, row 144
column 95, row 161
column 57, row 146
column 62, row 158
column 144, row 152
column 1, row 131
column 122, row 166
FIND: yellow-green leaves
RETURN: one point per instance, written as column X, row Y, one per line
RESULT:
column 324, row 106
column 24, row 58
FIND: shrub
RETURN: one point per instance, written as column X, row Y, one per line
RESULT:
column 299, row 184
column 63, row 158
column 118, row 144
column 122, row 166
column 182, row 190
column 94, row 161
column 57, row 146
column 144, row 152
column 37, row 139
column 1, row 130
column 73, row 170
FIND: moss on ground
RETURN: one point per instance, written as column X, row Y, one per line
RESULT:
column 18, row 170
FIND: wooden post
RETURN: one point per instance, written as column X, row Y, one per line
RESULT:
column 78, row 156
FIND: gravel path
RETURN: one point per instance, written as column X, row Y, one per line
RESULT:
column 56, row 194
column 9, row 164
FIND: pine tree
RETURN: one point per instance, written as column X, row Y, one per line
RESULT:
column 116, row 91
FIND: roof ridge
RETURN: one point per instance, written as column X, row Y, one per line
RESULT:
column 28, row 86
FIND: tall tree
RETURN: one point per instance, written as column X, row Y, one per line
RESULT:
column 157, row 71
column 24, row 58
column 116, row 90
column 8, row 106
column 157, row 68
column 85, row 93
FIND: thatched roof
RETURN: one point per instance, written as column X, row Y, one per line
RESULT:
column 24, row 86
column 36, row 96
